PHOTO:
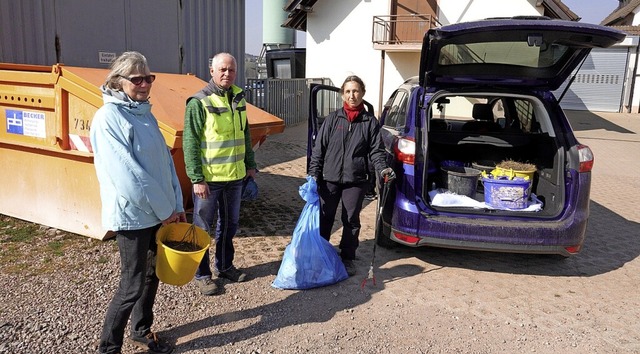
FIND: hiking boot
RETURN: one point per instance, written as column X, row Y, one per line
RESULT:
column 349, row 266
column 232, row 274
column 208, row 286
column 151, row 343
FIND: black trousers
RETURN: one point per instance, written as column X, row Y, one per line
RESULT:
column 351, row 196
column 136, row 292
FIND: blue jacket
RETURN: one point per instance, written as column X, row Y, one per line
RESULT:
column 139, row 186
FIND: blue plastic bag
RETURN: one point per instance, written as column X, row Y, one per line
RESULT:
column 249, row 189
column 309, row 261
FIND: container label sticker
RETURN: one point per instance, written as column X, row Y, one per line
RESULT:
column 26, row 123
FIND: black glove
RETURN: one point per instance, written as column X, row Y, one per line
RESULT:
column 388, row 174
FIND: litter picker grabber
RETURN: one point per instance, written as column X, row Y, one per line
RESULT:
column 378, row 232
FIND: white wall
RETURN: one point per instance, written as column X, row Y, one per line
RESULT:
column 398, row 68
column 339, row 39
column 339, row 42
column 631, row 95
column 636, row 18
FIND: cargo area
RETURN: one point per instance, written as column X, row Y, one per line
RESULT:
column 45, row 152
column 478, row 132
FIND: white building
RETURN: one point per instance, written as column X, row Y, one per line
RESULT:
column 380, row 41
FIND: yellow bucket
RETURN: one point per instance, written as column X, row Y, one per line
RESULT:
column 178, row 267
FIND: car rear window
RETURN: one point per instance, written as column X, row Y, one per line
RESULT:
column 484, row 113
column 505, row 53
column 397, row 110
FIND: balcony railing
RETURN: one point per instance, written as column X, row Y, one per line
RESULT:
column 400, row 32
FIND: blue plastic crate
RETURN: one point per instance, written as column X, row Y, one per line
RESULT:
column 505, row 193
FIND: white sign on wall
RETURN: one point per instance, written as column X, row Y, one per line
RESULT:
column 106, row 57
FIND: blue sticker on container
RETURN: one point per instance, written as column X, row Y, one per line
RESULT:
column 14, row 122
column 26, row 123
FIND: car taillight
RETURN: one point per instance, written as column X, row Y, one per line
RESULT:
column 406, row 238
column 405, row 150
column 586, row 158
column 573, row 249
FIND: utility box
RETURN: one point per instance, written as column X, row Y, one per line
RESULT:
column 287, row 63
column 45, row 152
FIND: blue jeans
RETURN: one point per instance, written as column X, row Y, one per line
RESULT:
column 224, row 203
column 137, row 290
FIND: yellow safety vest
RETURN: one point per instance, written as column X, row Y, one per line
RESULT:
column 223, row 145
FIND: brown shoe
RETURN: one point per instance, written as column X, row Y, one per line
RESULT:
column 208, row 287
column 151, row 343
column 232, row 274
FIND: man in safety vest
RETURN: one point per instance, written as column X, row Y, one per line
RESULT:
column 218, row 156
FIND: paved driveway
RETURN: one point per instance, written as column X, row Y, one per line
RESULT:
column 478, row 301
column 425, row 300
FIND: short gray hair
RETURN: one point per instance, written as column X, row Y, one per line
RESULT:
column 219, row 56
column 123, row 66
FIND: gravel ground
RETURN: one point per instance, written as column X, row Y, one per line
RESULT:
column 55, row 286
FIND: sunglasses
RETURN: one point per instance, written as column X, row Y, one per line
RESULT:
column 137, row 80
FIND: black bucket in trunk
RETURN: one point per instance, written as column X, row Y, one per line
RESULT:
column 461, row 180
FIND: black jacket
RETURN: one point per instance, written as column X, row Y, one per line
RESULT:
column 343, row 150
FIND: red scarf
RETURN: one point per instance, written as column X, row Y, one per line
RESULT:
column 352, row 113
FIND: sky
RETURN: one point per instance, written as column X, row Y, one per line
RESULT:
column 591, row 11
column 253, row 27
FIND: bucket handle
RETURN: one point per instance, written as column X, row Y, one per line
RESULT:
column 512, row 199
column 208, row 227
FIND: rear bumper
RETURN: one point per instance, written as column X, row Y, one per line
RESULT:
column 426, row 241
column 563, row 236
column 517, row 233
column 492, row 234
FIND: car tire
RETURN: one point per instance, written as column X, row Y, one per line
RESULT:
column 383, row 230
column 383, row 237
column 383, row 217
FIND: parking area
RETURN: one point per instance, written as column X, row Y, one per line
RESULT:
column 425, row 300
column 462, row 301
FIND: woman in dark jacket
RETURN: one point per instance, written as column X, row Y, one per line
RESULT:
column 348, row 140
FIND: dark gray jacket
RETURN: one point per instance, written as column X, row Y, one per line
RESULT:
column 343, row 150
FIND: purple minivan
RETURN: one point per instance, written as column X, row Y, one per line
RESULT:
column 484, row 155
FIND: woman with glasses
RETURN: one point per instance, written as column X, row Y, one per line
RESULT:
column 140, row 191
